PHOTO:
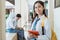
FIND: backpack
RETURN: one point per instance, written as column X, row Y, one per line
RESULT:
column 53, row 34
column 53, row 37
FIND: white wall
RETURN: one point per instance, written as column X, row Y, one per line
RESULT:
column 24, row 12
column 17, row 6
column 57, row 22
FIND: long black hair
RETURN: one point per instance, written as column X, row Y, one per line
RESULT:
column 35, row 14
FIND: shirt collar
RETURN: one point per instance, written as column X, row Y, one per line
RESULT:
column 41, row 16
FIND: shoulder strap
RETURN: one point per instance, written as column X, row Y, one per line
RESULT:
column 42, row 23
column 53, row 37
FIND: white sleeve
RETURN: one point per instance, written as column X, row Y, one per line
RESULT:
column 47, row 35
column 11, row 24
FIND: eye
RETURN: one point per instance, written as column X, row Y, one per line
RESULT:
column 39, row 6
column 35, row 7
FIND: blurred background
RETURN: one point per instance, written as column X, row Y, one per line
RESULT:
column 25, row 8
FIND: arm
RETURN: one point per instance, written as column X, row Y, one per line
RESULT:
column 11, row 24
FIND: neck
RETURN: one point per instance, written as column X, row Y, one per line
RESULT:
column 39, row 15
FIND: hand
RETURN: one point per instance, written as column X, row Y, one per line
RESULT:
column 35, row 36
column 30, row 35
column 19, row 28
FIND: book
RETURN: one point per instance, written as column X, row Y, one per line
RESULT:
column 34, row 32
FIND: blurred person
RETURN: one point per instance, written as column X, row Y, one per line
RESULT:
column 12, row 20
column 12, row 27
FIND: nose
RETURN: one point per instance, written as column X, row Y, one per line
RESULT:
column 37, row 8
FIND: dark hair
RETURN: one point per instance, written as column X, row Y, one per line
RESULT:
column 18, row 15
column 35, row 14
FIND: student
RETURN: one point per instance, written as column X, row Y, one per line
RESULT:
column 11, row 22
column 39, row 14
column 11, row 26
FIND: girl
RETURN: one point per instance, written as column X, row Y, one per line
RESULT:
column 39, row 14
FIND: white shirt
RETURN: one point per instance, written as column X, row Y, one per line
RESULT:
column 12, row 23
column 47, row 30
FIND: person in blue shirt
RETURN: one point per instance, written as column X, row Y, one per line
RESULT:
column 39, row 14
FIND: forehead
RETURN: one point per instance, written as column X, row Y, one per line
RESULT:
column 37, row 4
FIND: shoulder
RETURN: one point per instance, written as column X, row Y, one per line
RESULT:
column 45, row 19
column 47, row 22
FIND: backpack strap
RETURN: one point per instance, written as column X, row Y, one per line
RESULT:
column 53, row 36
column 42, row 25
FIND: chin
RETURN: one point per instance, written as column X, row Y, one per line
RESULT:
column 37, row 13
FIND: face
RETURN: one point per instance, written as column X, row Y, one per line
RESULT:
column 17, row 18
column 39, row 8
